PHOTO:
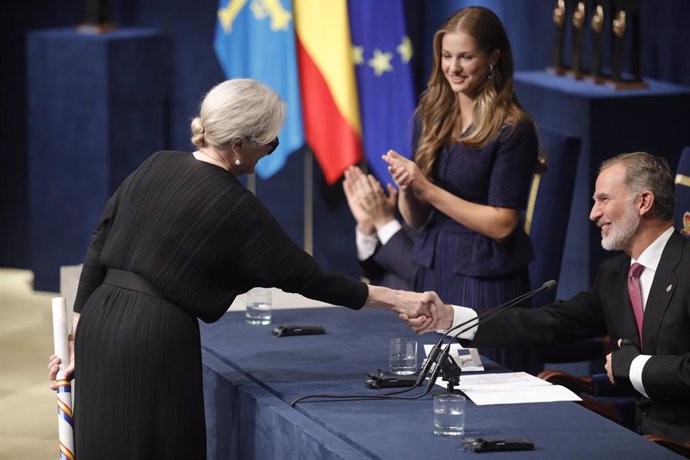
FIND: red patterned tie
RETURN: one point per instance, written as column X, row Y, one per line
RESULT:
column 636, row 294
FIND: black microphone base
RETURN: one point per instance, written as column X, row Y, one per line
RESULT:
column 379, row 379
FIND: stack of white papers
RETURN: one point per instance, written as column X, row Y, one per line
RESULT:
column 505, row 388
column 512, row 388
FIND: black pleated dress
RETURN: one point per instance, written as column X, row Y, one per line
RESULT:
column 196, row 238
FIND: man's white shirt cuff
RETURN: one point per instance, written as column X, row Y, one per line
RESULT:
column 387, row 231
column 366, row 244
column 636, row 368
column 460, row 316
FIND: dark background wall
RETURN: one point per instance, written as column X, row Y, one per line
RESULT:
column 189, row 27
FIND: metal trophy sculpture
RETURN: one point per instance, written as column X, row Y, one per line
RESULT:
column 97, row 18
column 578, row 26
column 599, row 16
column 614, row 23
column 559, row 12
column 626, row 32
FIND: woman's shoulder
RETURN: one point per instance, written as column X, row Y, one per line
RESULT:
column 520, row 126
column 163, row 155
column 521, row 121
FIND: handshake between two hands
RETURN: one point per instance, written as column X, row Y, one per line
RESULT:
column 427, row 314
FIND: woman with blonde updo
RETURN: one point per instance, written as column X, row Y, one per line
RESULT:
column 475, row 151
column 179, row 239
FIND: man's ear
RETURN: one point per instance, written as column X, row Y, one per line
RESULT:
column 645, row 202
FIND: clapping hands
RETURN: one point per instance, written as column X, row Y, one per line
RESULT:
column 405, row 173
column 368, row 202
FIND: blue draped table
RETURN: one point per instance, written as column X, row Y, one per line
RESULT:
column 250, row 378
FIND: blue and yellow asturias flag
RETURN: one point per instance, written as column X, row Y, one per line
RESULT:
column 256, row 39
column 382, row 52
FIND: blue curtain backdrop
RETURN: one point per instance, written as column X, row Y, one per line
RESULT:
column 259, row 42
column 383, row 50
column 194, row 68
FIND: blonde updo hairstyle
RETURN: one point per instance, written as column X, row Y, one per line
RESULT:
column 240, row 108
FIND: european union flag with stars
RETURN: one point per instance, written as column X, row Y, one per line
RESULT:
column 256, row 39
column 382, row 53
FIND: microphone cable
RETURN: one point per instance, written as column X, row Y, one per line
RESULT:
column 433, row 354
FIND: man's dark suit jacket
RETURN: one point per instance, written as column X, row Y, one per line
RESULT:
column 606, row 310
column 392, row 264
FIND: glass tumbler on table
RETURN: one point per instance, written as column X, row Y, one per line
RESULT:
column 258, row 306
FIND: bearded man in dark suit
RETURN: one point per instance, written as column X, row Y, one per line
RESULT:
column 633, row 207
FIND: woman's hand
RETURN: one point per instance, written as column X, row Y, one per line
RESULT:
column 54, row 367
column 406, row 173
column 441, row 316
column 407, row 303
column 416, row 191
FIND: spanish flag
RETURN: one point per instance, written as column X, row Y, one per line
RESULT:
column 327, row 83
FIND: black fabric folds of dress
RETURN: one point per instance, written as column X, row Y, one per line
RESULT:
column 198, row 238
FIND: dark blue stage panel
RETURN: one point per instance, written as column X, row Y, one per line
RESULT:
column 609, row 121
column 96, row 110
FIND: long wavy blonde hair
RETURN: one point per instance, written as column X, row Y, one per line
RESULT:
column 438, row 110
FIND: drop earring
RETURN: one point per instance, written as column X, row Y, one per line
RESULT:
column 491, row 72
column 237, row 162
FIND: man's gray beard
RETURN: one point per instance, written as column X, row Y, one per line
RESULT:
column 620, row 234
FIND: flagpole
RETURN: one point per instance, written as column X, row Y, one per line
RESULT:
column 64, row 387
column 308, row 202
column 251, row 183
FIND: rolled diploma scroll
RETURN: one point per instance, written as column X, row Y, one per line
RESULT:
column 64, row 390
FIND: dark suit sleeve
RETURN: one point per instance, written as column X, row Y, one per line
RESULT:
column 559, row 323
column 666, row 375
column 396, row 257
column 556, row 324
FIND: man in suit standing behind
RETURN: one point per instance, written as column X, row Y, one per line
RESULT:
column 641, row 298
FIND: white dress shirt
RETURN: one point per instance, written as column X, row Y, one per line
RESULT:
column 650, row 258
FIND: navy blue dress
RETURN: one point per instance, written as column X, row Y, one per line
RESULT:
column 467, row 268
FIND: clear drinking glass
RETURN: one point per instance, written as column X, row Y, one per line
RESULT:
column 258, row 306
column 449, row 414
column 402, row 359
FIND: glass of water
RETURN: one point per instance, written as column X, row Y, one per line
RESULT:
column 449, row 414
column 258, row 306
column 402, row 359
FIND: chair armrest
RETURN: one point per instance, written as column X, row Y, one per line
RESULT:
column 576, row 384
column 682, row 448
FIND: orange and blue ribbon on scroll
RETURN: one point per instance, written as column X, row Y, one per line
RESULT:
column 64, row 386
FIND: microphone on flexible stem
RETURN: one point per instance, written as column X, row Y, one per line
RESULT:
column 436, row 349
column 442, row 361
column 479, row 320
column 433, row 354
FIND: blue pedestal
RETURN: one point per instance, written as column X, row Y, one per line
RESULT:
column 96, row 110
column 656, row 120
